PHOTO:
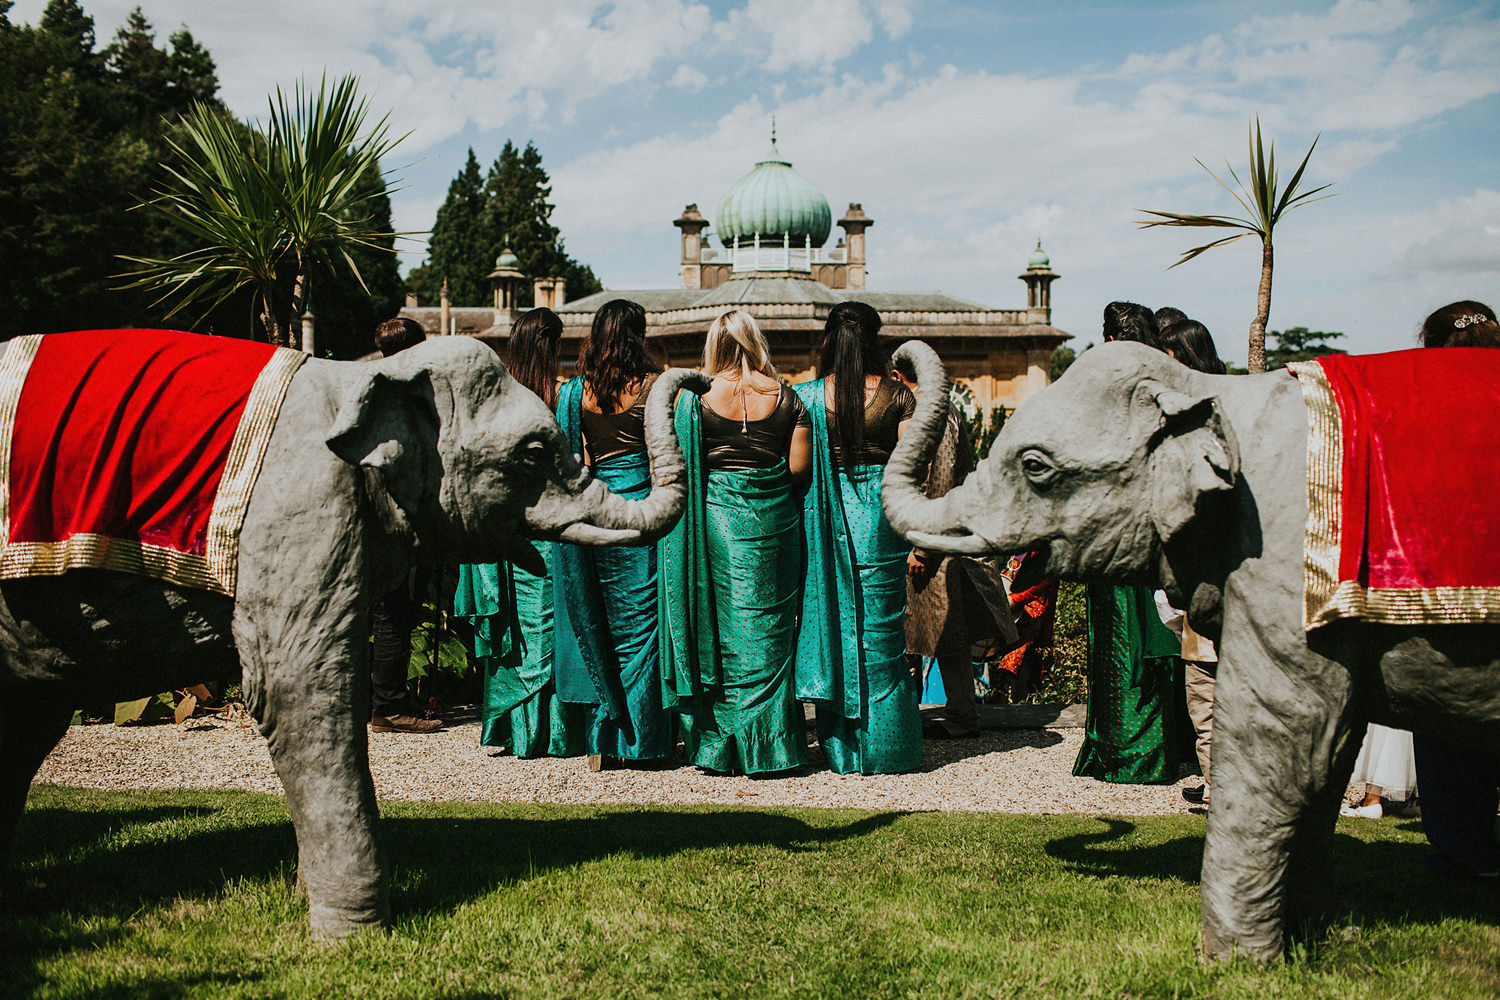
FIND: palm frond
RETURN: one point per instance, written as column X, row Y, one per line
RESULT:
column 1256, row 193
column 256, row 202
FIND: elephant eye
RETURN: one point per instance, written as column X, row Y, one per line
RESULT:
column 1037, row 468
column 532, row 451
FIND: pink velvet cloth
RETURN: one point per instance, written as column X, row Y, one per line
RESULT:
column 1420, row 495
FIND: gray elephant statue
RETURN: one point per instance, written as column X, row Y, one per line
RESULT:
column 434, row 455
column 1133, row 469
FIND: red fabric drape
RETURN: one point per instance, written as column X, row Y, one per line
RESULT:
column 125, row 434
column 1420, row 496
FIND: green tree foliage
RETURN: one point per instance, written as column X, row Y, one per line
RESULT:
column 83, row 137
column 1063, row 357
column 73, row 30
column 1301, row 344
column 509, row 207
column 270, row 214
column 983, row 427
column 459, row 250
column 1264, row 202
column 345, row 313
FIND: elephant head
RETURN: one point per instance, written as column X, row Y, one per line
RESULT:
column 1100, row 470
column 469, row 464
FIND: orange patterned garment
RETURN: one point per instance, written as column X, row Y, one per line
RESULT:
column 133, row 450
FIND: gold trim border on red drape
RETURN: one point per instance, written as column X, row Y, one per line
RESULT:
column 1329, row 599
column 217, row 570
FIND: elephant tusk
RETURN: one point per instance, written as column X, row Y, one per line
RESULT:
column 958, row 545
column 590, row 534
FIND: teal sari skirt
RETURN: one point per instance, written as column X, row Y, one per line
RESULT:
column 886, row 737
column 606, row 639
column 511, row 611
column 748, row 718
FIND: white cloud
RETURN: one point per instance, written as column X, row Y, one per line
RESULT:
column 1456, row 240
column 963, row 170
column 800, row 35
column 689, row 77
column 895, row 16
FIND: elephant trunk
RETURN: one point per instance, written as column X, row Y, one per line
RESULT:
column 611, row 519
column 928, row 523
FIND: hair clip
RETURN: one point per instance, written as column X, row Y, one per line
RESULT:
column 1468, row 320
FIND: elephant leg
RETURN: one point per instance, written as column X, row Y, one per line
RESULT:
column 1283, row 745
column 32, row 721
column 306, row 703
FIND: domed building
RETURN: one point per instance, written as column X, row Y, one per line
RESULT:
column 772, row 259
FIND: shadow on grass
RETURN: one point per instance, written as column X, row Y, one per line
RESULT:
column 83, row 876
column 1091, row 854
column 500, row 851
column 1375, row 881
column 94, row 863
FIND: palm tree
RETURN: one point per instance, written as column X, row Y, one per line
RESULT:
column 269, row 209
column 1265, row 206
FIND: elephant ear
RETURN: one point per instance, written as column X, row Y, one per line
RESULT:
column 1194, row 457
column 388, row 426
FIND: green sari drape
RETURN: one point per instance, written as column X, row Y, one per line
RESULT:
column 1131, row 733
column 512, row 615
column 605, row 634
column 851, row 651
column 729, row 588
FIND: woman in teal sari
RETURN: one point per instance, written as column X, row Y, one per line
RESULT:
column 512, row 610
column 731, row 569
column 851, row 652
column 606, row 635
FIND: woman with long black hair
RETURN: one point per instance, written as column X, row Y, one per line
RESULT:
column 851, row 652
column 512, row 610
column 606, row 610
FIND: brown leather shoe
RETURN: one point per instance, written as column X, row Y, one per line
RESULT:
column 404, row 724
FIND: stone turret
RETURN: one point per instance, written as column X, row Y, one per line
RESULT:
column 854, row 223
column 1039, row 277
column 692, row 223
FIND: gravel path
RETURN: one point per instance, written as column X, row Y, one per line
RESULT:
column 1016, row 770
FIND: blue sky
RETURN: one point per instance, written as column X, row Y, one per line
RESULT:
column 966, row 130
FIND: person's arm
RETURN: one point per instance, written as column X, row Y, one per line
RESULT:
column 799, row 456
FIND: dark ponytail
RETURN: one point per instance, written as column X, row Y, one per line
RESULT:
column 531, row 353
column 851, row 350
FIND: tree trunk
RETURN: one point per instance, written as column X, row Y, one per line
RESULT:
column 1256, row 361
column 299, row 305
column 275, row 332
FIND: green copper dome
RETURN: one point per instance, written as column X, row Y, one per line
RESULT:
column 1038, row 260
column 774, row 200
column 507, row 259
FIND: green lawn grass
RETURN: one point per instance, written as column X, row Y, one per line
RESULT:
column 191, row 894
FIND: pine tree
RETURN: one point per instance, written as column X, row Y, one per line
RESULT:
column 458, row 250
column 518, row 214
column 140, row 70
column 66, row 22
column 192, row 72
column 509, row 207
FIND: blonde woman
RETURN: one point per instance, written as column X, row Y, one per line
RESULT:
column 731, row 571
